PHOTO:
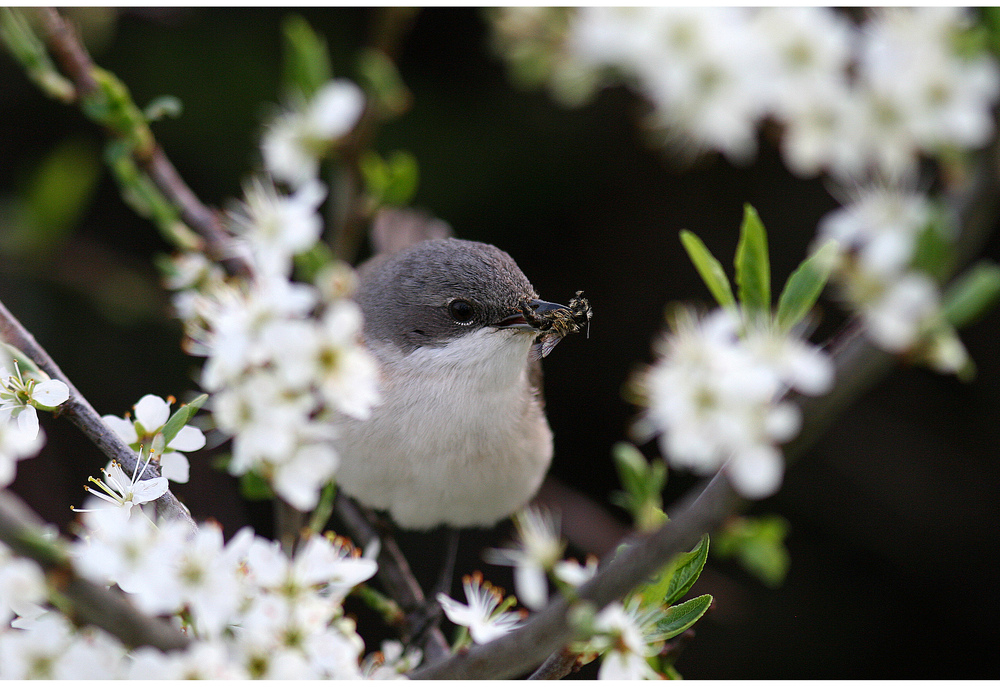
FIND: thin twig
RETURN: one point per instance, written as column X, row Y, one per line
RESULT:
column 94, row 605
column 78, row 410
column 557, row 666
column 72, row 56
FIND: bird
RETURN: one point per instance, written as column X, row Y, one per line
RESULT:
column 460, row 437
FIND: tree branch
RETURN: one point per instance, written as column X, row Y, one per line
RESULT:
column 94, row 605
column 79, row 411
column 549, row 630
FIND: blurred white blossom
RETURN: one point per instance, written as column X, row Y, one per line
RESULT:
column 295, row 141
column 16, row 444
column 22, row 586
column 539, row 549
column 480, row 615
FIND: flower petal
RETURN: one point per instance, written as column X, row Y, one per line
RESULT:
column 122, row 427
column 149, row 490
column 27, row 420
column 175, row 467
column 152, row 412
column 50, row 393
column 188, row 439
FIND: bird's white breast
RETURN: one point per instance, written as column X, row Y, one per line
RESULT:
column 459, row 439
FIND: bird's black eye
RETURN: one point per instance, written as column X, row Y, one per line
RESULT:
column 461, row 311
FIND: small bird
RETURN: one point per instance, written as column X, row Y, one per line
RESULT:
column 460, row 437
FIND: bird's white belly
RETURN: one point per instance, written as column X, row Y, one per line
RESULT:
column 429, row 458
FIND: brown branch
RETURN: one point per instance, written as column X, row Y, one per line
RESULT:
column 79, row 411
column 94, row 605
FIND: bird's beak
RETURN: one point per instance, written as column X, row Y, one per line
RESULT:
column 517, row 321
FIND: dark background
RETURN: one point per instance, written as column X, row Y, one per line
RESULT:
column 893, row 515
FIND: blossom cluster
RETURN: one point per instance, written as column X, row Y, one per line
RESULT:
column 715, row 396
column 853, row 99
column 863, row 101
column 249, row 610
column 878, row 235
column 284, row 358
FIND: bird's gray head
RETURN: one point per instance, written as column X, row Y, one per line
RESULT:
column 440, row 290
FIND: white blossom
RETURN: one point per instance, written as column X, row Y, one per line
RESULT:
column 275, row 227
column 539, row 549
column 19, row 397
column 295, row 141
column 16, row 444
column 715, row 396
column 22, row 587
column 625, row 640
column 151, row 414
column 392, row 662
column 52, row 650
column 479, row 615
column 124, row 492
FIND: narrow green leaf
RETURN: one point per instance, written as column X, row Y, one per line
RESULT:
column 181, row 417
column 679, row 618
column 804, row 286
column 972, row 294
column 631, row 466
column 709, row 269
column 686, row 570
column 677, row 577
column 378, row 75
column 306, row 59
column 753, row 267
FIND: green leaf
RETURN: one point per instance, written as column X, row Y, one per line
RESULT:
column 643, row 482
column 709, row 268
column 759, row 546
column 804, row 286
column 379, row 77
column 306, row 59
column 973, row 294
column 181, row 417
column 677, row 577
column 686, row 569
column 389, row 182
column 934, row 252
column 253, row 487
column 753, row 267
column 403, row 178
column 679, row 618
column 50, row 206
